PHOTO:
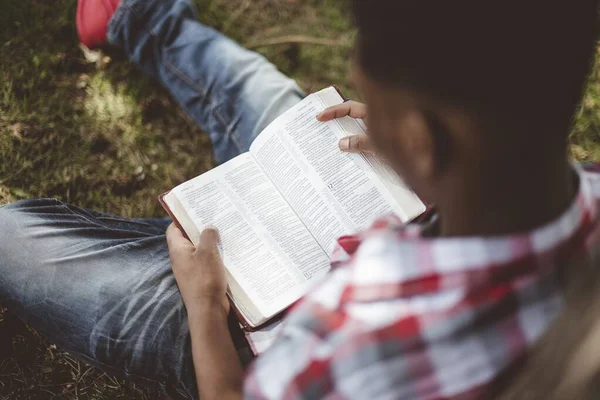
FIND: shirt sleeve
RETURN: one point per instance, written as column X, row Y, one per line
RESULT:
column 298, row 364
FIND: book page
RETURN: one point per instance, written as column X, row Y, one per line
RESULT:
column 410, row 205
column 334, row 193
column 265, row 246
column 261, row 340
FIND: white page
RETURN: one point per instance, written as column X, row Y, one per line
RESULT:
column 265, row 246
column 410, row 205
column 261, row 340
column 334, row 193
column 310, row 201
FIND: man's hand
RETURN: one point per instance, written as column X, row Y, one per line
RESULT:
column 350, row 144
column 199, row 271
column 200, row 275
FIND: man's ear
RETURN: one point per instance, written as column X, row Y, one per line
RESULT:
column 428, row 141
column 419, row 143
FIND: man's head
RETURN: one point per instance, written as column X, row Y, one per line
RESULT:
column 469, row 87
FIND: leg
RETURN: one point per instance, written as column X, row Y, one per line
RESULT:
column 99, row 286
column 231, row 92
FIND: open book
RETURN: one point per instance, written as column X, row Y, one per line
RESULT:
column 281, row 206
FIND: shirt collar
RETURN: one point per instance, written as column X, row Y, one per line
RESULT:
column 392, row 260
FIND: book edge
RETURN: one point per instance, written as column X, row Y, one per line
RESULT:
column 246, row 323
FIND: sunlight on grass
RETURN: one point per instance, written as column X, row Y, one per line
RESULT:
column 110, row 106
column 5, row 195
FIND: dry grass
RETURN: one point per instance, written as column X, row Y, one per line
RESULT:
column 31, row 368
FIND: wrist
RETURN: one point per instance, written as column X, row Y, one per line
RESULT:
column 207, row 308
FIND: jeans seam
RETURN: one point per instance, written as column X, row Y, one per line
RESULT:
column 97, row 222
column 66, row 206
column 194, row 85
column 116, row 219
column 187, row 80
column 235, row 137
column 118, row 18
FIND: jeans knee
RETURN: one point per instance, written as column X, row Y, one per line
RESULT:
column 21, row 224
column 15, row 217
column 8, row 222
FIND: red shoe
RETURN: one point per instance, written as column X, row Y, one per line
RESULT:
column 92, row 20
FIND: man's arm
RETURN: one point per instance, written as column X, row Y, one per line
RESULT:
column 200, row 275
column 218, row 370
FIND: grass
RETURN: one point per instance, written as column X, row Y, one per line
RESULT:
column 98, row 133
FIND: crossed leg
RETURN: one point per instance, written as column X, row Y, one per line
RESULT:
column 101, row 286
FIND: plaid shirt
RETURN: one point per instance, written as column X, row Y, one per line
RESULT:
column 403, row 316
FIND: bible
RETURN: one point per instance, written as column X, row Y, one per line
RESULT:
column 281, row 206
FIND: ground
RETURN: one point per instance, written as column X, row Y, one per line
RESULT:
column 90, row 129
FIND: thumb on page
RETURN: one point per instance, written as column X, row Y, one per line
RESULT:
column 356, row 144
column 209, row 241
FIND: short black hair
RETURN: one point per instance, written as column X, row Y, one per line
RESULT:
column 526, row 60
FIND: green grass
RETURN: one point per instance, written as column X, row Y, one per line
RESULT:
column 99, row 134
column 585, row 136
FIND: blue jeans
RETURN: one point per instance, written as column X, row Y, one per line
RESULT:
column 100, row 286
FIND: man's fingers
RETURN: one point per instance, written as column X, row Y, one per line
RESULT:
column 210, row 235
column 173, row 234
column 349, row 108
column 209, row 240
column 177, row 242
column 356, row 144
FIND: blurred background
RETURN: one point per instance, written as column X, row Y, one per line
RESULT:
column 91, row 129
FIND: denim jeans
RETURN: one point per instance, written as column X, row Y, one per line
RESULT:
column 101, row 286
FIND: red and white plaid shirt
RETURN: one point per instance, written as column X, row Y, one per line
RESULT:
column 403, row 316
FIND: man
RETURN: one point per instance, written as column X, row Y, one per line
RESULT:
column 470, row 101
